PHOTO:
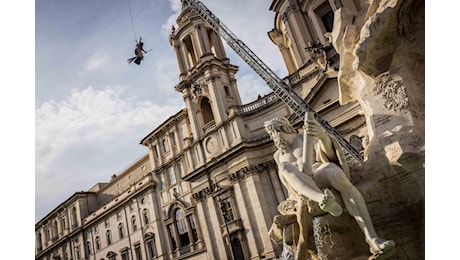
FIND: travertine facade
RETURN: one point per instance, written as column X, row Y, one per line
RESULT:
column 214, row 156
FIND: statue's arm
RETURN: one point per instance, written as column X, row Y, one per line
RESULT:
column 326, row 147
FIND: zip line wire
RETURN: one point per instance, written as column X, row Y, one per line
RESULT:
column 132, row 22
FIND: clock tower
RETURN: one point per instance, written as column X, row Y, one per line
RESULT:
column 207, row 79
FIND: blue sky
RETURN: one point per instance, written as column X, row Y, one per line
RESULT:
column 92, row 108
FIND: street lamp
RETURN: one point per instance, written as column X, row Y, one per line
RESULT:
column 226, row 217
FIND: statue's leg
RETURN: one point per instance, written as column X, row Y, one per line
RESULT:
column 331, row 175
column 300, row 182
column 304, row 220
column 304, row 185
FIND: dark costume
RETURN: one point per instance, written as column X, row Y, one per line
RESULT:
column 139, row 52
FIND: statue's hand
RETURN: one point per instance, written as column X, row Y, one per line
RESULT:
column 314, row 129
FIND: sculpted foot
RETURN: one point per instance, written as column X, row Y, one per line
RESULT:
column 284, row 220
column 380, row 246
column 330, row 205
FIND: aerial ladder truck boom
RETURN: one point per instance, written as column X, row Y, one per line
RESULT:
column 279, row 87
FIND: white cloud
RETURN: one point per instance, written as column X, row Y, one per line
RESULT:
column 250, row 86
column 98, row 60
column 176, row 6
column 87, row 137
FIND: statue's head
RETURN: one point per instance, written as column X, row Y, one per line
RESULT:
column 276, row 128
column 279, row 124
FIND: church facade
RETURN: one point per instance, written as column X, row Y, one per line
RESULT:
column 208, row 187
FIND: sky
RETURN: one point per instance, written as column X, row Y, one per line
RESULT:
column 92, row 108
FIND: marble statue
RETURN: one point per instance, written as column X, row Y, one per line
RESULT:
column 310, row 166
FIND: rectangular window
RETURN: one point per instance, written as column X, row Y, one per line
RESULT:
column 190, row 51
column 171, row 175
column 173, row 139
column 192, row 226
column 155, row 151
column 325, row 13
column 227, row 209
column 180, row 166
column 172, row 237
column 162, row 181
column 124, row 255
column 328, row 21
column 138, row 252
column 151, row 249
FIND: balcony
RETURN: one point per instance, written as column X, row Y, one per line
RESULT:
column 233, row 226
column 255, row 106
column 208, row 127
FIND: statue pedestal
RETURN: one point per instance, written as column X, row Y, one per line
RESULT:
column 337, row 237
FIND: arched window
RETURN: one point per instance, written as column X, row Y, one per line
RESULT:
column 145, row 214
column 165, row 145
column 191, row 56
column 121, row 230
column 109, row 237
column 63, row 226
column 39, row 241
column 98, row 243
column 206, row 111
column 55, row 229
column 74, row 217
column 88, row 247
column 182, row 227
column 133, row 223
column 77, row 252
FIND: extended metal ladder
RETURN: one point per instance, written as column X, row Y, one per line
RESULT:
column 281, row 89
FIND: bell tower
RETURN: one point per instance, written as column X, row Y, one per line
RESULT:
column 207, row 79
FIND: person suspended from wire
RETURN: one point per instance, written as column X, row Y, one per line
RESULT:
column 139, row 52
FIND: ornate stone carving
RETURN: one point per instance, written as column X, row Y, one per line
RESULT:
column 196, row 91
column 393, row 92
column 310, row 168
column 318, row 54
column 249, row 170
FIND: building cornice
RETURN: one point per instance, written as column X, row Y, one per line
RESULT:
column 62, row 206
column 163, row 128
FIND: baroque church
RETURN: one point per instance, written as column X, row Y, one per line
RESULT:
column 208, row 188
